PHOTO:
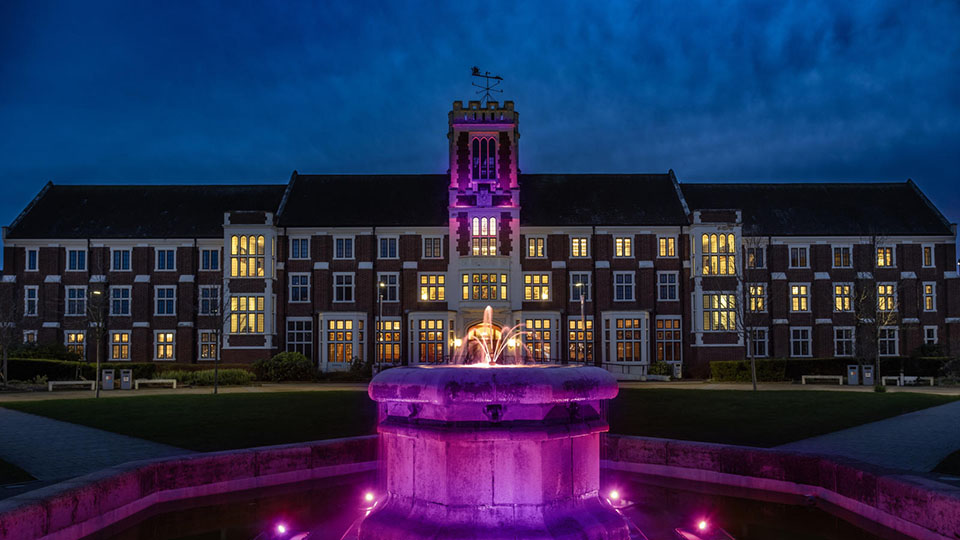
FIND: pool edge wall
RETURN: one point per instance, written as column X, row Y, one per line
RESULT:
column 913, row 505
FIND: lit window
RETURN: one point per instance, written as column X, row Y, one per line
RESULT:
column 343, row 248
column 343, row 287
column 433, row 247
column 484, row 286
column 246, row 314
column 340, row 340
column 390, row 291
column 800, row 342
column 843, row 341
column 30, row 295
column 76, row 260
column 165, row 300
column 928, row 257
column 666, row 286
column 579, row 248
column 798, row 257
column 164, row 348
column 299, row 248
column 388, row 248
column 246, row 256
column 76, row 301
column 886, row 297
column 299, row 287
column 209, row 300
column 121, row 260
column 889, row 341
column 668, row 339
column 388, row 336
column 432, row 287
column 538, row 338
column 884, row 257
column 579, row 281
column 799, row 297
column 430, row 339
column 536, row 247
column 29, row 336
column 484, row 158
column 843, row 297
column 667, row 246
column 484, row 237
column 929, row 296
column 718, row 254
column 580, row 339
column 757, row 297
column 208, row 345
column 536, row 287
column 30, row 264
column 75, row 342
column 760, row 341
column 166, row 259
column 623, row 247
column 755, row 257
column 300, row 336
column 841, row 257
column 119, row 301
column 719, row 312
column 628, row 339
column 622, row 286
column 930, row 335
column 119, row 345
column 210, row 259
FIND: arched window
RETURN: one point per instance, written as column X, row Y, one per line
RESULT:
column 484, row 158
column 484, row 236
column 719, row 254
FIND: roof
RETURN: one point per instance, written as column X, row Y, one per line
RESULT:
column 834, row 209
column 365, row 200
column 600, row 199
column 146, row 211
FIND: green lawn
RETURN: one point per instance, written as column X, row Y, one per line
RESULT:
column 11, row 474
column 754, row 418
column 950, row 465
column 208, row 422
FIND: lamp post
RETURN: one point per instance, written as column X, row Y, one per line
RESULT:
column 97, row 312
column 583, row 320
column 379, row 326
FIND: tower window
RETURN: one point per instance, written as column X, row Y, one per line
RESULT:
column 484, row 236
column 484, row 158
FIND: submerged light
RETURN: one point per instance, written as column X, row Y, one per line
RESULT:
column 614, row 495
column 368, row 496
column 281, row 528
column 702, row 525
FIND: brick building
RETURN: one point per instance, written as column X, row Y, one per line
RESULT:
column 668, row 271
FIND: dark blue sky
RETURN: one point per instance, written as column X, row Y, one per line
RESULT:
column 182, row 92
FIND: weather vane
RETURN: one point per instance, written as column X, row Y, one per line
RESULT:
column 490, row 83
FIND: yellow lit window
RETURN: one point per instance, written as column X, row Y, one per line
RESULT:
column 886, row 297
column 628, row 340
column 927, row 256
column 623, row 247
column 668, row 340
column 580, row 339
column 719, row 312
column 578, row 247
column 484, row 286
column 842, row 297
column 339, row 340
column 246, row 315
column 247, row 256
column 536, row 286
column 164, row 345
column 929, row 297
column 389, row 340
column 430, row 338
column 718, row 254
column 484, row 236
column 75, row 342
column 120, row 346
column 432, row 288
column 799, row 298
column 208, row 345
column 537, row 337
column 535, row 247
column 757, row 297
column 884, row 257
column 667, row 247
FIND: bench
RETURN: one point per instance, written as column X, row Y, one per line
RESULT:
column 907, row 380
column 55, row 384
column 138, row 382
column 837, row 378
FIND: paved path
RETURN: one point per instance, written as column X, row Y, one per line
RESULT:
column 53, row 450
column 252, row 389
column 915, row 441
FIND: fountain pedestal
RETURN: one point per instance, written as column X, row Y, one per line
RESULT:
column 492, row 453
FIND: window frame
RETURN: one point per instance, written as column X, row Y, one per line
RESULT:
column 537, row 288
column 894, row 296
column 36, row 301
column 431, row 239
column 573, row 285
column 808, row 341
column 291, row 286
column 847, row 297
column 932, row 296
column 623, row 247
column 396, row 247
column 543, row 247
column 440, row 288
column 677, row 344
column 67, row 300
column 632, row 285
column 586, row 246
column 304, row 254
column 667, row 241
column 156, row 259
column 351, row 287
column 834, row 248
column 157, row 299
column 172, row 344
column 83, row 341
column 219, row 301
column 806, row 256
column 893, row 256
column 113, row 259
column 395, row 286
column 581, row 325
column 803, row 298
column 392, row 346
column 725, row 256
column 760, row 299
column 730, row 311
column 255, row 328
column 895, row 340
column 111, row 345
column 852, row 340
column 477, row 166
column 923, row 256
column 763, row 257
column 675, row 285
column 489, row 241
column 129, row 300
column 347, row 240
column 78, row 269
column 288, row 332
column 36, row 259
column 210, row 259
column 754, row 341
column 33, row 333
column 936, row 335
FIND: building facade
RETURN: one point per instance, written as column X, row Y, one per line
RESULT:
column 619, row 270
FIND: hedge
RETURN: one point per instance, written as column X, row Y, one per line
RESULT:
column 205, row 377
column 770, row 370
column 25, row 369
column 286, row 366
column 164, row 367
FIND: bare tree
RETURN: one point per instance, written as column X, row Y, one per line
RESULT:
column 97, row 312
column 11, row 318
column 877, row 308
column 752, row 297
column 213, row 315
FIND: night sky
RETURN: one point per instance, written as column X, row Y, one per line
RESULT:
column 219, row 92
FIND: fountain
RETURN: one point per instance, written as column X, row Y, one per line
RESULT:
column 499, row 453
column 481, row 348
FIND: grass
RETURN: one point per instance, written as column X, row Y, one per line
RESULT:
column 11, row 474
column 950, row 465
column 754, row 418
column 208, row 422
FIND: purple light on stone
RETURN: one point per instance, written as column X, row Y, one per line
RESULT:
column 495, row 452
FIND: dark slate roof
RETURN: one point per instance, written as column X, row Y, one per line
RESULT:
column 600, row 199
column 364, row 200
column 836, row 209
column 139, row 211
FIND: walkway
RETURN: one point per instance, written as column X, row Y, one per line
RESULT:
column 54, row 450
column 251, row 389
column 915, row 441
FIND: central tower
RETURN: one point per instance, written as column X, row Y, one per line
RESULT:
column 484, row 210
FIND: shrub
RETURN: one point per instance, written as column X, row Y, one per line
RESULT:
column 360, row 369
column 286, row 366
column 48, row 351
column 739, row 371
column 660, row 368
column 794, row 368
column 167, row 367
column 205, row 377
column 25, row 369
